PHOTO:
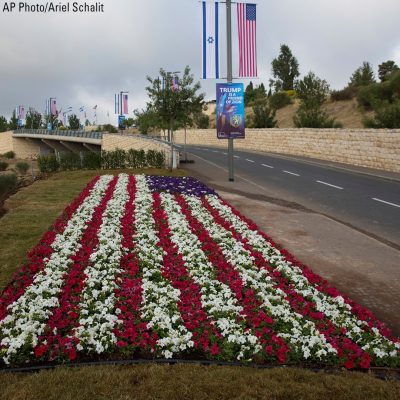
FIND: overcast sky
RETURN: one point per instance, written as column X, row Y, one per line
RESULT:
column 83, row 59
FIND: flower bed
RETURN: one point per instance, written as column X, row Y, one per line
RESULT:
column 163, row 267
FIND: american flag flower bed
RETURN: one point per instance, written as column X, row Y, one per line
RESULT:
column 144, row 266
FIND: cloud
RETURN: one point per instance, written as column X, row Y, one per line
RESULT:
column 83, row 59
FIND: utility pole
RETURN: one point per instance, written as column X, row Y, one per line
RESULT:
column 229, row 78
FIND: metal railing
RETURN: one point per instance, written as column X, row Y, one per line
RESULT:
column 68, row 133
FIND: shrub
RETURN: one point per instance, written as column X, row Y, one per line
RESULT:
column 9, row 154
column 110, row 128
column 141, row 159
column 264, row 116
column 155, row 159
column 291, row 93
column 91, row 160
column 387, row 116
column 279, row 100
column 3, row 165
column 48, row 163
column 113, row 159
column 203, row 121
column 371, row 96
column 8, row 182
column 70, row 161
column 313, row 117
column 22, row 167
column 341, row 95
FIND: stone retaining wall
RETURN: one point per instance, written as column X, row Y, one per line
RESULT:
column 6, row 142
column 379, row 149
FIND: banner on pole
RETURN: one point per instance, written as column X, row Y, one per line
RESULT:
column 230, row 111
column 210, row 40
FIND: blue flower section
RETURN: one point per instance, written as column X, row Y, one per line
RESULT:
column 184, row 185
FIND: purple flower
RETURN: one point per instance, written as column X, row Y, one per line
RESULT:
column 183, row 185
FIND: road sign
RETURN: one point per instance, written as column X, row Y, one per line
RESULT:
column 230, row 111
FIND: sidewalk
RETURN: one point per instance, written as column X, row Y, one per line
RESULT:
column 365, row 269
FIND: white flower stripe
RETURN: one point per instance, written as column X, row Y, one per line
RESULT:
column 97, row 314
column 301, row 335
column 28, row 315
column 217, row 298
column 334, row 308
column 159, row 307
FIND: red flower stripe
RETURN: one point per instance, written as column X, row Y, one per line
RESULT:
column 257, row 320
column 318, row 282
column 57, row 340
column 348, row 351
column 25, row 275
column 133, row 334
column 205, row 335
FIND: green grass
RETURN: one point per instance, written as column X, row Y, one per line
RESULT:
column 31, row 211
column 192, row 382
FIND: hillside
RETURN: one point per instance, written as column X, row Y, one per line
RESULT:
column 345, row 112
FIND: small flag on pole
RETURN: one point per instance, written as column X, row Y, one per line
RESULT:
column 53, row 107
column 175, row 84
column 246, row 16
column 125, row 104
column 210, row 40
column 95, row 107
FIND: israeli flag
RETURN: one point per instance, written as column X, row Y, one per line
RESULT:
column 210, row 41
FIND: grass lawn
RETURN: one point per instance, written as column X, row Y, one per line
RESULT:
column 31, row 211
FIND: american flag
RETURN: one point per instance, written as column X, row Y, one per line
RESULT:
column 125, row 104
column 53, row 107
column 246, row 14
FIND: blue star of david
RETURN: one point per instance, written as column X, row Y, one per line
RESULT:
column 210, row 40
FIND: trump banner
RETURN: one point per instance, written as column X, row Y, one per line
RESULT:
column 230, row 111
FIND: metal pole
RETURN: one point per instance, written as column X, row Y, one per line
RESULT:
column 229, row 78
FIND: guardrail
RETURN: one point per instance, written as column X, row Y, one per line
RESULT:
column 80, row 134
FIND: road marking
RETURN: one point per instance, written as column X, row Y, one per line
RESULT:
column 236, row 156
column 249, row 160
column 268, row 166
column 386, row 202
column 225, row 154
column 215, row 151
column 291, row 173
column 329, row 184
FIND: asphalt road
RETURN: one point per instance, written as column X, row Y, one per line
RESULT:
column 369, row 204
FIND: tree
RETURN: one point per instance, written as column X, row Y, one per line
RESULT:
column 13, row 124
column 33, row 119
column 312, row 92
column 175, row 105
column 386, row 69
column 285, row 70
column 146, row 120
column 3, row 124
column 362, row 76
column 73, row 122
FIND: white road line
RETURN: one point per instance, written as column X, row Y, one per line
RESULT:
column 291, row 173
column 236, row 156
column 268, row 166
column 329, row 184
column 225, row 154
column 249, row 160
column 215, row 151
column 386, row 202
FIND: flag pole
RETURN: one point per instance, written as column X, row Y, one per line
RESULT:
column 229, row 79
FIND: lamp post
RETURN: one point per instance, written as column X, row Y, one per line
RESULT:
column 169, row 73
column 229, row 78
